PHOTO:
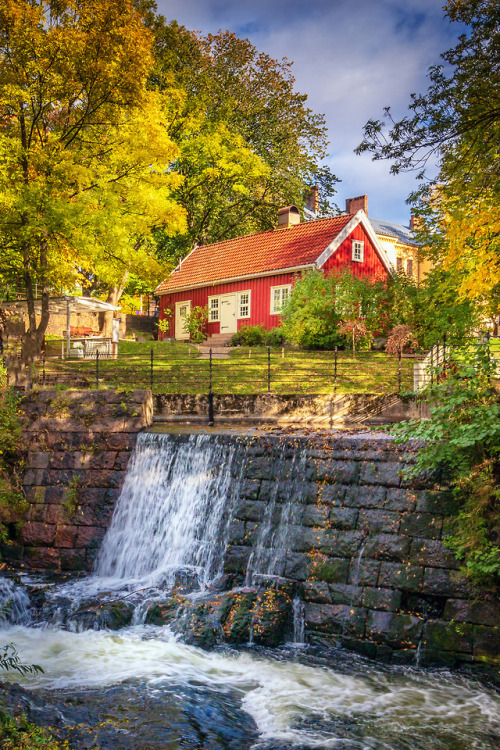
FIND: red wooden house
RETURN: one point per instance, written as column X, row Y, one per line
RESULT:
column 244, row 281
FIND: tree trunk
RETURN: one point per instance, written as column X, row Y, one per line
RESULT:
column 32, row 341
column 114, row 296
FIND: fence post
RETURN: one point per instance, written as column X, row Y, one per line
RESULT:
column 151, row 369
column 210, row 393
column 97, row 368
column 399, row 370
column 335, row 371
column 444, row 348
column 269, row 369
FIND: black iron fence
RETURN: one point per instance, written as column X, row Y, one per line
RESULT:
column 185, row 370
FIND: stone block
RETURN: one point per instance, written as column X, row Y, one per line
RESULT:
column 396, row 630
column 72, row 559
column 335, row 618
column 121, row 461
column 486, row 642
column 387, row 473
column 378, row 521
column 329, row 569
column 305, row 539
column 35, row 513
column 38, row 534
column 385, row 599
column 440, row 503
column 423, row 525
column 315, row 515
column 120, row 441
column 38, row 460
column 446, row 583
column 364, row 572
column 365, row 497
column 432, row 554
column 42, row 558
column 480, row 612
column 65, row 536
column 336, row 472
column 54, row 495
column 250, row 510
column 448, row 636
column 400, row 499
column 399, row 576
column 236, row 559
column 89, row 536
column 342, row 543
column 342, row 593
column 343, row 518
column 316, row 591
column 261, row 468
column 391, row 547
column 298, row 566
column 332, row 494
column 253, row 532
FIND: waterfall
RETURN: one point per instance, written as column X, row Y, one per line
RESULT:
column 15, row 607
column 174, row 511
column 280, row 519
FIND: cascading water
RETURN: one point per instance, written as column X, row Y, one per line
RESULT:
column 173, row 513
column 173, row 519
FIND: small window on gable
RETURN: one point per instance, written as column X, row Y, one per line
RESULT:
column 279, row 295
column 358, row 250
column 213, row 307
column 409, row 267
column 243, row 304
column 399, row 264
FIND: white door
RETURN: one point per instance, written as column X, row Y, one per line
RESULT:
column 228, row 313
column 182, row 310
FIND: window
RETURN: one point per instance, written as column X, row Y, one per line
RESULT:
column 358, row 250
column 213, row 309
column 279, row 295
column 399, row 264
column 409, row 267
column 243, row 304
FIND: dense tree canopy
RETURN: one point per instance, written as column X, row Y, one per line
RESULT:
column 84, row 151
column 457, row 120
column 248, row 142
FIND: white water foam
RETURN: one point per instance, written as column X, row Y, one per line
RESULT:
column 15, row 606
column 405, row 708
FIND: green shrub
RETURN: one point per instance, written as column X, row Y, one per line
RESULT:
column 275, row 337
column 462, row 439
column 249, row 336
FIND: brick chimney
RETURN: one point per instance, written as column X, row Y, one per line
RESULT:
column 353, row 205
column 288, row 217
column 312, row 200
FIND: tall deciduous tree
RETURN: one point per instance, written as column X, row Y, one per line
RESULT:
column 249, row 143
column 84, row 152
column 458, row 121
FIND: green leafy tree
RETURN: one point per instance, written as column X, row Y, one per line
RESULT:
column 457, row 122
column 248, row 142
column 84, row 154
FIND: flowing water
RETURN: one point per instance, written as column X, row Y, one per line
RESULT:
column 142, row 688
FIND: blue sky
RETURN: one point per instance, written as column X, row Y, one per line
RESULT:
column 352, row 58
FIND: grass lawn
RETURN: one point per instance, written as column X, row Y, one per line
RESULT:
column 179, row 368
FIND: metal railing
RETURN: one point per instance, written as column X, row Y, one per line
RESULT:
column 248, row 371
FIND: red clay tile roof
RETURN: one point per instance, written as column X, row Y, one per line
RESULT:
column 254, row 254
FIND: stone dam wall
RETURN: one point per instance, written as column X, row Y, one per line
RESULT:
column 364, row 547
column 366, row 550
column 77, row 447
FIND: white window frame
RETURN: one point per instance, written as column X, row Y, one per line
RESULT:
column 239, row 305
column 210, row 310
column 277, row 310
column 358, row 245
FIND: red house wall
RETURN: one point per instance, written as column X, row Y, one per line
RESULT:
column 260, row 304
column 260, row 301
column 372, row 266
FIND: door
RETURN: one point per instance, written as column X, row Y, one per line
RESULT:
column 182, row 310
column 228, row 313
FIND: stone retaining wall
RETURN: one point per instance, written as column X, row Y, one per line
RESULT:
column 78, row 444
column 366, row 550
